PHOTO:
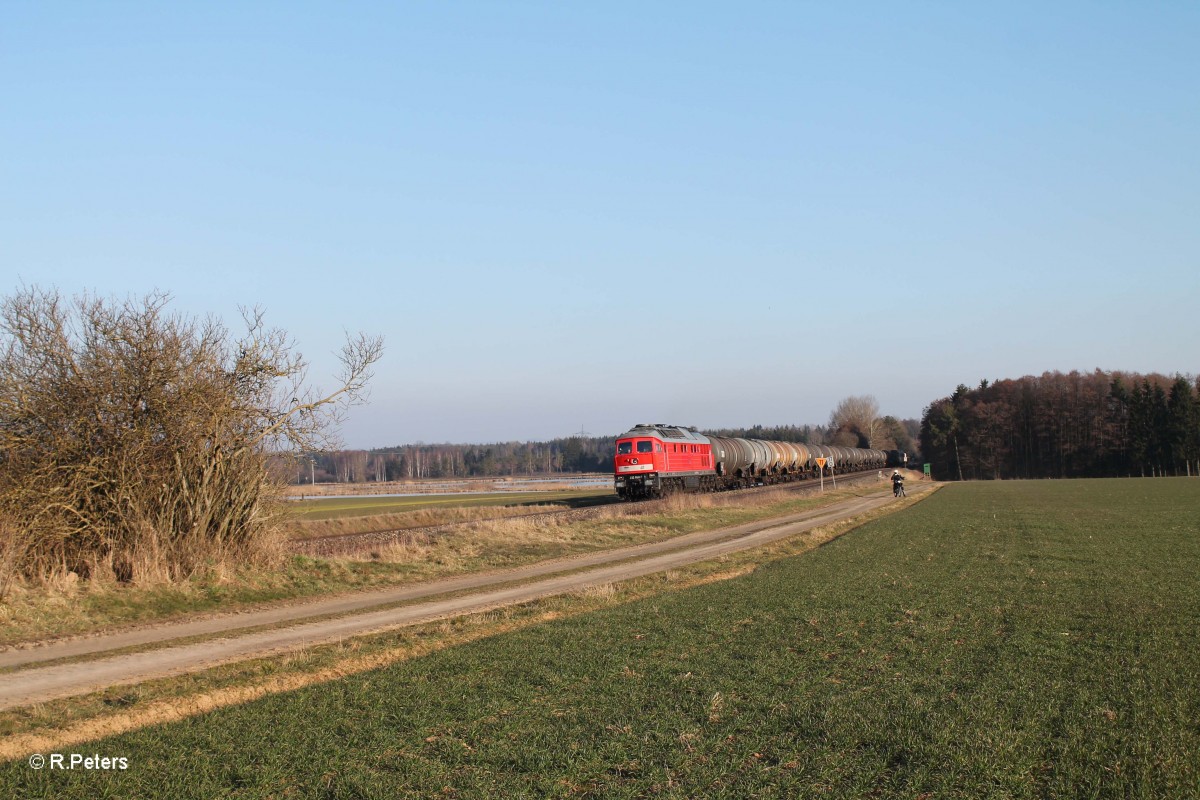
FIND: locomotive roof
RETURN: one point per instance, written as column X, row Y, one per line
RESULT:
column 670, row 433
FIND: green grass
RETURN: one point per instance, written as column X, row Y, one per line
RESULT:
column 1033, row 639
column 335, row 507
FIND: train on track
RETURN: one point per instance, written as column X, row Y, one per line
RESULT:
column 653, row 460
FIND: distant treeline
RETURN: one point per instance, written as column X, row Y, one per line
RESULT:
column 414, row 461
column 558, row 456
column 803, row 434
column 1066, row 426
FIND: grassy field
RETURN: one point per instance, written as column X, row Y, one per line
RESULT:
column 1033, row 639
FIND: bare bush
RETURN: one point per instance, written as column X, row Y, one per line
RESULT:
column 130, row 436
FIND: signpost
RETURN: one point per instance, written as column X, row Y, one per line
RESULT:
column 821, row 466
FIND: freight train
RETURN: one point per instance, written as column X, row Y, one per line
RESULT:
column 653, row 460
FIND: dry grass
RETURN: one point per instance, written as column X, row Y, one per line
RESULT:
column 602, row 591
column 62, row 603
column 500, row 543
column 295, row 528
column 488, row 543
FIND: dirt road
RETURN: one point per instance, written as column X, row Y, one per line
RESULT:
column 317, row 622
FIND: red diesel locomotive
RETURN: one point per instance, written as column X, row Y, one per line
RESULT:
column 653, row 460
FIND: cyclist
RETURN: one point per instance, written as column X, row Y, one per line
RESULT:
column 897, row 484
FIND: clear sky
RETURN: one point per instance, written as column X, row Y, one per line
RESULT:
column 568, row 214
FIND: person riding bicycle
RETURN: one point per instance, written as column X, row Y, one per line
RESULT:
column 897, row 484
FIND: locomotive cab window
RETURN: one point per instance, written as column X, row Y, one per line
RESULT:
column 645, row 447
column 624, row 448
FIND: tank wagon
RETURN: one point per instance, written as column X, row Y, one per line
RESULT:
column 652, row 460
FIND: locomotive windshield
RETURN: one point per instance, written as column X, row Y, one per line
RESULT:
column 624, row 448
column 645, row 447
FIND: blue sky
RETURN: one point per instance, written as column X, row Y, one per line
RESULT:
column 566, row 215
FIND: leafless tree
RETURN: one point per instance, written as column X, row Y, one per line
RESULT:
column 138, row 440
column 858, row 415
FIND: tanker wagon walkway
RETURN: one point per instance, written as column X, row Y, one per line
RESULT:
column 39, row 673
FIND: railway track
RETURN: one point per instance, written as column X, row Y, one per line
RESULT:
column 350, row 543
column 346, row 544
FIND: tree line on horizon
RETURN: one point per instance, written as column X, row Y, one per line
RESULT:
column 848, row 427
column 1066, row 425
column 420, row 461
